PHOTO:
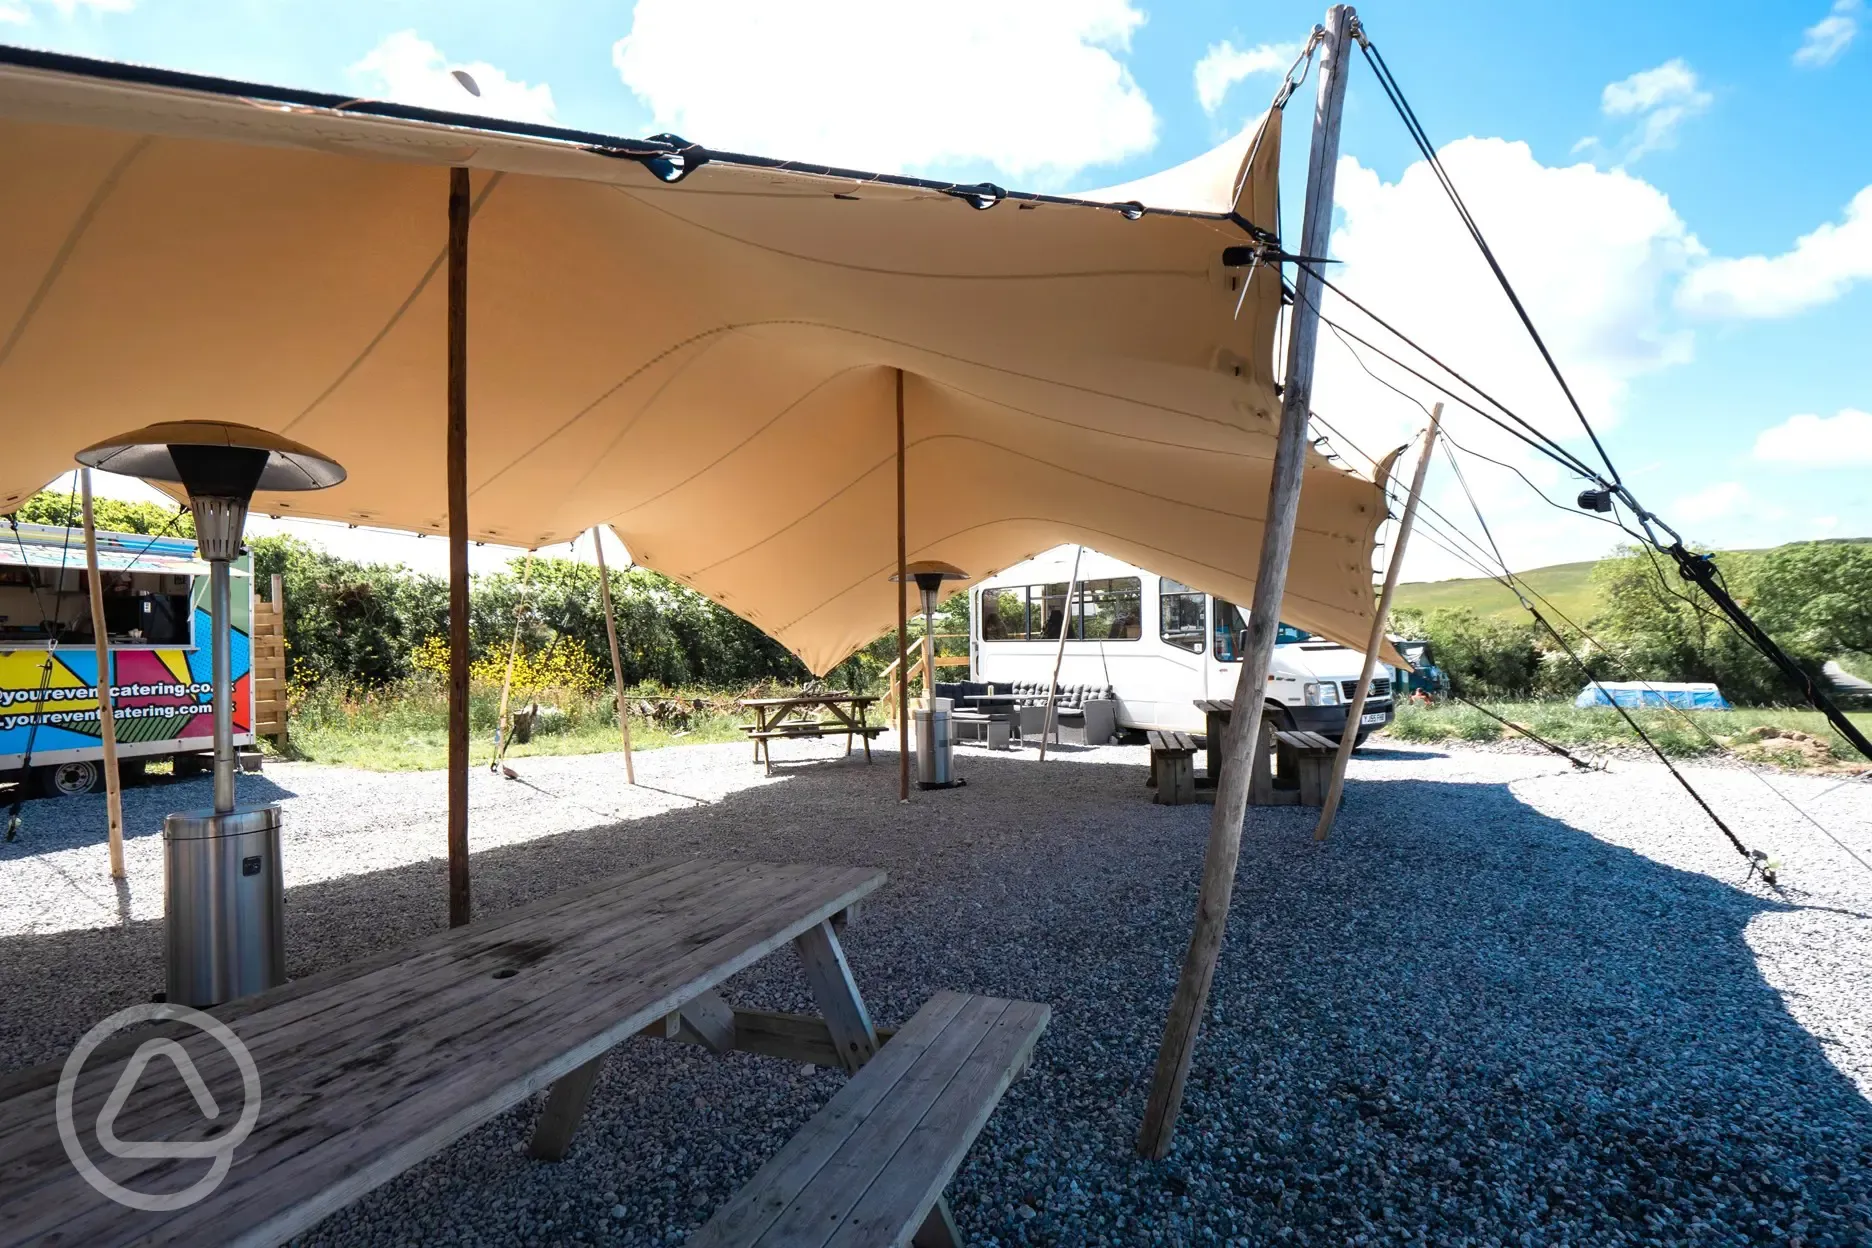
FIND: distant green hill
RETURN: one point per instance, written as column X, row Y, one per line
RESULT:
column 1569, row 586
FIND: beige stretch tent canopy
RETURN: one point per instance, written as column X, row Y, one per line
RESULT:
column 706, row 365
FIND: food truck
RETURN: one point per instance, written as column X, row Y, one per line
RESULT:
column 156, row 617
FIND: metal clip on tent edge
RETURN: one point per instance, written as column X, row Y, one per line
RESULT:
column 673, row 159
column 980, row 196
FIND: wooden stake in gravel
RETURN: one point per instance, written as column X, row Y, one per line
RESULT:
column 617, row 665
column 1242, row 737
column 1059, row 653
column 1348, row 741
column 107, row 713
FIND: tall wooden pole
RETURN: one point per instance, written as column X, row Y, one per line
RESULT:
column 1242, row 737
column 501, row 731
column 617, row 663
column 903, row 614
column 458, row 208
column 1349, row 739
column 107, row 713
column 1059, row 653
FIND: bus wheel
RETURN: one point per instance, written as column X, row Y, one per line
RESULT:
column 70, row 779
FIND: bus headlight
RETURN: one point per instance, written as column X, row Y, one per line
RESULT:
column 1320, row 693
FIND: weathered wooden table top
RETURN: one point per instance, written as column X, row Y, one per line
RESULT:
column 365, row 1074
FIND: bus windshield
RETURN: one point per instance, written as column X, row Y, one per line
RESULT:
column 1231, row 632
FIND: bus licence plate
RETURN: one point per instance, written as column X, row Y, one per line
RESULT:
column 1376, row 717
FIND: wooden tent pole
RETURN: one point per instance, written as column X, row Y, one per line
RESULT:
column 107, row 712
column 1059, row 652
column 458, row 210
column 617, row 663
column 1348, row 740
column 513, row 651
column 1243, row 734
column 903, row 614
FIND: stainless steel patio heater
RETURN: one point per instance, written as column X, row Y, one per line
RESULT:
column 222, row 900
column 935, row 748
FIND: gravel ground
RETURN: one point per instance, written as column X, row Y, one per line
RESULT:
column 1507, row 1004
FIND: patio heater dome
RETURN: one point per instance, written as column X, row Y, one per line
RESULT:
column 929, row 574
column 223, row 886
column 220, row 465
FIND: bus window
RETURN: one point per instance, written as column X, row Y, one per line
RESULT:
column 1287, row 635
column 1231, row 631
column 1003, row 615
column 1111, row 610
column 1180, row 615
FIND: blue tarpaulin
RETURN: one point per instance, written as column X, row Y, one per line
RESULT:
column 1688, row 696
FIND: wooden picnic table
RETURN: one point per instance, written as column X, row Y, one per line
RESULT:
column 1290, row 767
column 367, row 1070
column 833, row 714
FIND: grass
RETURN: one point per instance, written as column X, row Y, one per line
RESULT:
column 1753, row 732
column 405, row 728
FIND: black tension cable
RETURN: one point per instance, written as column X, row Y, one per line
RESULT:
column 1698, row 569
column 1701, row 570
column 1422, row 139
column 1539, row 441
column 1529, row 733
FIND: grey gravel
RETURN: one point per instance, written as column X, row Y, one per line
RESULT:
column 1506, row 1004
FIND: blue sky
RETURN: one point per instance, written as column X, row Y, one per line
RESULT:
column 1648, row 174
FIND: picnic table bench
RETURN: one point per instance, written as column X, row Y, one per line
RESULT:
column 835, row 714
column 369, row 1069
column 870, row 1168
column 1172, row 767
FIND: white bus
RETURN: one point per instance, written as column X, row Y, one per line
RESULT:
column 1159, row 644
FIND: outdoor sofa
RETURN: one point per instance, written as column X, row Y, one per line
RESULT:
column 1082, row 714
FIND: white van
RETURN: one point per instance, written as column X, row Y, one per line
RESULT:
column 1159, row 644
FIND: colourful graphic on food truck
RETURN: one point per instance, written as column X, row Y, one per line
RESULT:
column 156, row 617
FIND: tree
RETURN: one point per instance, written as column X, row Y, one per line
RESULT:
column 1816, row 597
column 355, row 624
column 1665, row 629
column 1485, row 658
column 113, row 515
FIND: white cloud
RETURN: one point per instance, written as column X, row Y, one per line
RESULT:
column 410, row 70
column 1037, row 89
column 1822, row 42
column 1820, row 268
column 1660, row 100
column 20, row 12
column 1593, row 254
column 1711, row 503
column 1843, row 440
column 1224, row 65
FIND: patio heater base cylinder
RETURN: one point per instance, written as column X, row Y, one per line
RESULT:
column 935, row 753
column 223, row 904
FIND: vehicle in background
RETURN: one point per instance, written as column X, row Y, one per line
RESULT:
column 1160, row 645
column 1422, row 676
column 156, row 617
